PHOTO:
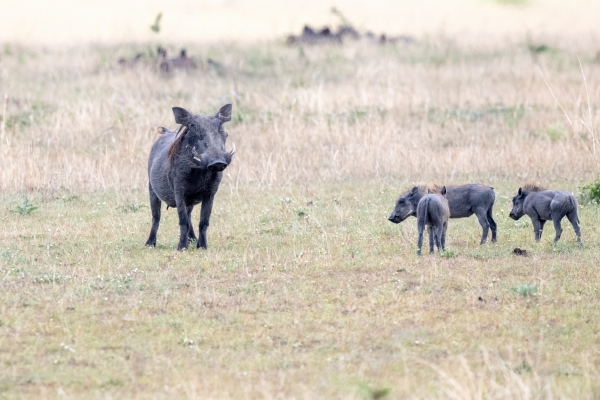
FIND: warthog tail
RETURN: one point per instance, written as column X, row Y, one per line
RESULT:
column 423, row 216
column 574, row 204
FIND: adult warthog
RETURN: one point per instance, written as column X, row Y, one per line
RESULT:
column 185, row 168
column 463, row 202
column 544, row 205
column 433, row 212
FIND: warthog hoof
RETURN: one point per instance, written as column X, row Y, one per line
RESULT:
column 418, row 252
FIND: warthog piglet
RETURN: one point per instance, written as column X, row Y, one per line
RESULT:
column 433, row 213
column 544, row 205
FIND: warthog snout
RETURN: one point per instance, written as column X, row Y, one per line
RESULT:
column 217, row 166
column 395, row 218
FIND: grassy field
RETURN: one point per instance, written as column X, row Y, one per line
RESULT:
column 303, row 293
column 306, row 290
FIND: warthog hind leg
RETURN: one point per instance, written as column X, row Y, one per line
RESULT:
column 444, row 229
column 574, row 220
column 155, row 208
column 432, row 237
column 437, row 236
column 483, row 221
column 420, row 241
column 556, row 220
column 492, row 223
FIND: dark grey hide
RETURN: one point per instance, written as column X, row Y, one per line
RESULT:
column 185, row 169
column 545, row 205
column 433, row 212
column 463, row 201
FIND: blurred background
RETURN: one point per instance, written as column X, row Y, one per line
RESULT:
column 67, row 22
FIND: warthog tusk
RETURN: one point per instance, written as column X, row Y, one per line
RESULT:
column 232, row 152
column 195, row 155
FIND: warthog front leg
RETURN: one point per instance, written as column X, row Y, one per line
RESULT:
column 191, row 234
column 184, row 222
column 155, row 208
column 542, row 223
column 538, row 228
column 574, row 220
column 206, row 210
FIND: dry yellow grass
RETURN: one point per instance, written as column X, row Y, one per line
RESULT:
column 306, row 291
column 429, row 111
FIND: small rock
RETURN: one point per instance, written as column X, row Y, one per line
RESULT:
column 520, row 252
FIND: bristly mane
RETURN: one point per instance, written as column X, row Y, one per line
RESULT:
column 531, row 187
column 174, row 148
column 434, row 188
column 431, row 187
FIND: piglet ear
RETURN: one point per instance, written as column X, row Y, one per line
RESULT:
column 520, row 191
column 444, row 191
column 414, row 191
column 182, row 116
column 224, row 113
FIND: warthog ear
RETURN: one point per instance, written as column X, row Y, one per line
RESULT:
column 443, row 191
column 224, row 113
column 520, row 191
column 182, row 116
column 414, row 191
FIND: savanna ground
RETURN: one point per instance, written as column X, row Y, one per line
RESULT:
column 306, row 290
